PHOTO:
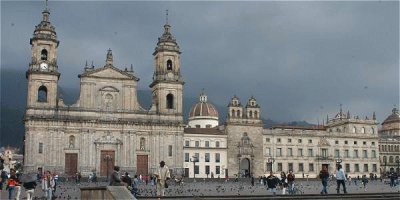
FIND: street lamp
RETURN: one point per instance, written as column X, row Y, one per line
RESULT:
column 107, row 158
column 271, row 161
column 194, row 159
column 338, row 161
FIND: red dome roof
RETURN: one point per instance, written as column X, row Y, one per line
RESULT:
column 203, row 109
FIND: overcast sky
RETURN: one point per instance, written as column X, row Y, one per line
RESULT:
column 301, row 60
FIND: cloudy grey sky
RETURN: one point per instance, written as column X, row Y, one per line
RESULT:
column 299, row 59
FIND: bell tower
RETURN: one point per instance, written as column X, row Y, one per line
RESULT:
column 167, row 85
column 42, row 73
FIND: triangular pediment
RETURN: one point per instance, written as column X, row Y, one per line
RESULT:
column 109, row 72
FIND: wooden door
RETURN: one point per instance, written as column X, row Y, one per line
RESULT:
column 71, row 163
column 107, row 161
column 142, row 165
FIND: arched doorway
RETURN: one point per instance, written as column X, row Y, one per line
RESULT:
column 244, row 168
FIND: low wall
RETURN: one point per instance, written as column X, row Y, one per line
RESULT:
column 105, row 192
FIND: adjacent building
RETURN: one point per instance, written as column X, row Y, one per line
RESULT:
column 389, row 143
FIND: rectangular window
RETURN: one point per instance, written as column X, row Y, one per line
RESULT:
column 309, row 141
column 355, row 154
column 217, row 169
column 197, row 155
column 364, row 143
column 169, row 150
column 355, row 142
column 269, row 167
column 311, row 167
column 365, row 167
column 356, row 168
column 290, row 152
column 324, row 153
column 196, row 169
column 336, row 142
column 217, row 158
column 40, row 147
column 268, row 151
column 373, row 143
column 301, row 167
column 207, row 144
column 187, row 143
column 365, row 154
column 346, row 153
column 278, row 140
column 217, row 144
column 279, row 152
column 310, row 152
column 300, row 140
column 290, row 166
column 300, row 152
column 187, row 157
column 207, row 157
column 267, row 140
column 374, row 168
column 197, row 143
column 346, row 142
column 337, row 153
column 280, row 167
column 347, row 168
column 207, row 169
column 373, row 154
column 289, row 140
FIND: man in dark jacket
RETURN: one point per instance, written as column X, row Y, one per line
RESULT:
column 272, row 182
column 115, row 179
column 30, row 189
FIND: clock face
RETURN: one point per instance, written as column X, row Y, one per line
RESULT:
column 44, row 66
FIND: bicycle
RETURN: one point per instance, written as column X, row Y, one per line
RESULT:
column 297, row 190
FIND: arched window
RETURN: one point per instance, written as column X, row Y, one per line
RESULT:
column 170, row 101
column 238, row 113
column 354, row 129
column 255, row 114
column 384, row 159
column 251, row 114
column 42, row 94
column 142, row 143
column 362, row 130
column 233, row 113
column 338, row 130
column 71, row 141
column 43, row 54
column 169, row 65
column 391, row 159
column 373, row 131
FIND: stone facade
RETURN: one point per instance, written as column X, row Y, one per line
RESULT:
column 389, row 143
column 107, row 126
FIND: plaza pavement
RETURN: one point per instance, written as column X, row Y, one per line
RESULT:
column 70, row 190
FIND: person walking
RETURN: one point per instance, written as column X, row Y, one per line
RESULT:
column 340, row 179
column 162, row 174
column 115, row 178
column 290, row 179
column 349, row 180
column 283, row 182
column 3, row 178
column 272, row 182
column 48, row 185
column 11, row 182
column 324, row 176
column 29, row 189
column 364, row 181
column 252, row 180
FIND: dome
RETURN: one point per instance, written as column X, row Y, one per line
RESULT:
column 203, row 109
column 203, row 114
column 394, row 117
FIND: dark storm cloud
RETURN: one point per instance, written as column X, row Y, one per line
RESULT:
column 299, row 59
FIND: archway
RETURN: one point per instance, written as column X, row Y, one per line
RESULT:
column 244, row 168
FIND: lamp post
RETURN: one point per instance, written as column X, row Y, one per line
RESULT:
column 338, row 161
column 107, row 158
column 194, row 159
column 271, row 161
column 398, row 165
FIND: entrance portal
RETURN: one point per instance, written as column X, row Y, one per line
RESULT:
column 142, row 165
column 107, row 160
column 244, row 168
column 71, row 163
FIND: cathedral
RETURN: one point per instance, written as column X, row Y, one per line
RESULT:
column 107, row 126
